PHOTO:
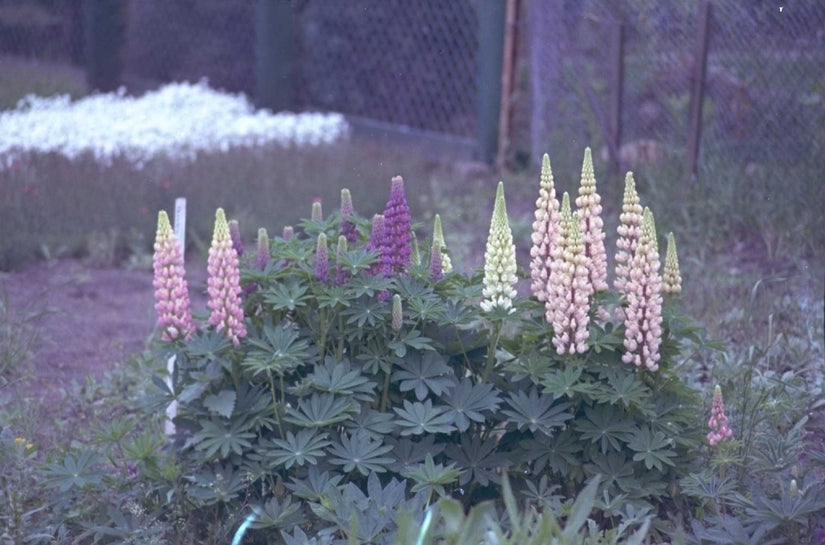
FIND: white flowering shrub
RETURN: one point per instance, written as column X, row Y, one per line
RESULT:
column 177, row 121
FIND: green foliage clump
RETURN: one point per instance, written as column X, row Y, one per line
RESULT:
column 331, row 419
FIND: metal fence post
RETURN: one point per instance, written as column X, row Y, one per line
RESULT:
column 104, row 23
column 491, row 16
column 273, row 55
column 697, row 92
column 616, row 93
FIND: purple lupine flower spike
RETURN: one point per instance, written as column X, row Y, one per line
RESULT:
column 341, row 274
column 398, row 227
column 264, row 254
column 224, row 283
column 289, row 231
column 377, row 242
column 171, row 292
column 348, row 229
column 235, row 235
column 322, row 259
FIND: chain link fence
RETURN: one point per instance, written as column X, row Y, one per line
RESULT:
column 416, row 64
column 764, row 86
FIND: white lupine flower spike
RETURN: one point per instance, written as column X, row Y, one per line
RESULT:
column 499, row 260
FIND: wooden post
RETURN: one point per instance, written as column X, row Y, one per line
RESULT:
column 507, row 82
column 490, row 55
column 697, row 93
column 104, row 25
column 616, row 94
column 273, row 55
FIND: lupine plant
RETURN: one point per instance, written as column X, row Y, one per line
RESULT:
column 329, row 405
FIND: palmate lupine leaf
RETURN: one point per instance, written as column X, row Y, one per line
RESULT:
column 605, row 426
column 74, row 472
column 218, row 436
column 287, row 295
column 222, row 403
column 366, row 312
column 412, row 451
column 536, row 412
column 559, row 453
column 562, row 382
column 340, row 378
column 306, row 447
column 615, row 469
column 276, row 350
column 424, row 372
column 478, row 460
column 417, row 418
column 360, row 452
column 412, row 338
column 653, row 448
column 467, row 401
column 315, row 485
column 376, row 424
column 431, row 477
column 277, row 514
column 624, row 388
column 321, row 410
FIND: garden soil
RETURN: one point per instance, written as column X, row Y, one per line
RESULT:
column 88, row 320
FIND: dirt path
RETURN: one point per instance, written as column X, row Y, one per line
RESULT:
column 95, row 319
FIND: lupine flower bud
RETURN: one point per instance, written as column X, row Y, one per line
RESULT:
column 322, row 259
column 589, row 216
column 341, row 274
column 317, row 211
column 718, row 423
column 398, row 227
column 643, row 315
column 264, row 254
column 378, row 243
column 671, row 279
column 415, row 256
column 436, row 265
column 224, row 283
column 397, row 313
column 499, row 259
column 630, row 229
column 347, row 211
column 289, row 231
column 235, row 235
column 569, row 288
column 545, row 230
column 171, row 292
column 438, row 236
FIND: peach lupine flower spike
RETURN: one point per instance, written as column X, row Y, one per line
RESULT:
column 174, row 313
column 718, row 422
column 224, row 283
column 545, row 230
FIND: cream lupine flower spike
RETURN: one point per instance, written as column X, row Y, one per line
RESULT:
column 630, row 229
column 672, row 278
column 438, row 236
column 545, row 229
column 499, row 259
column 224, row 283
column 643, row 315
column 569, row 288
column 589, row 214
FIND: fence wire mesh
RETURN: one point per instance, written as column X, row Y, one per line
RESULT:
column 764, row 92
column 416, row 64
